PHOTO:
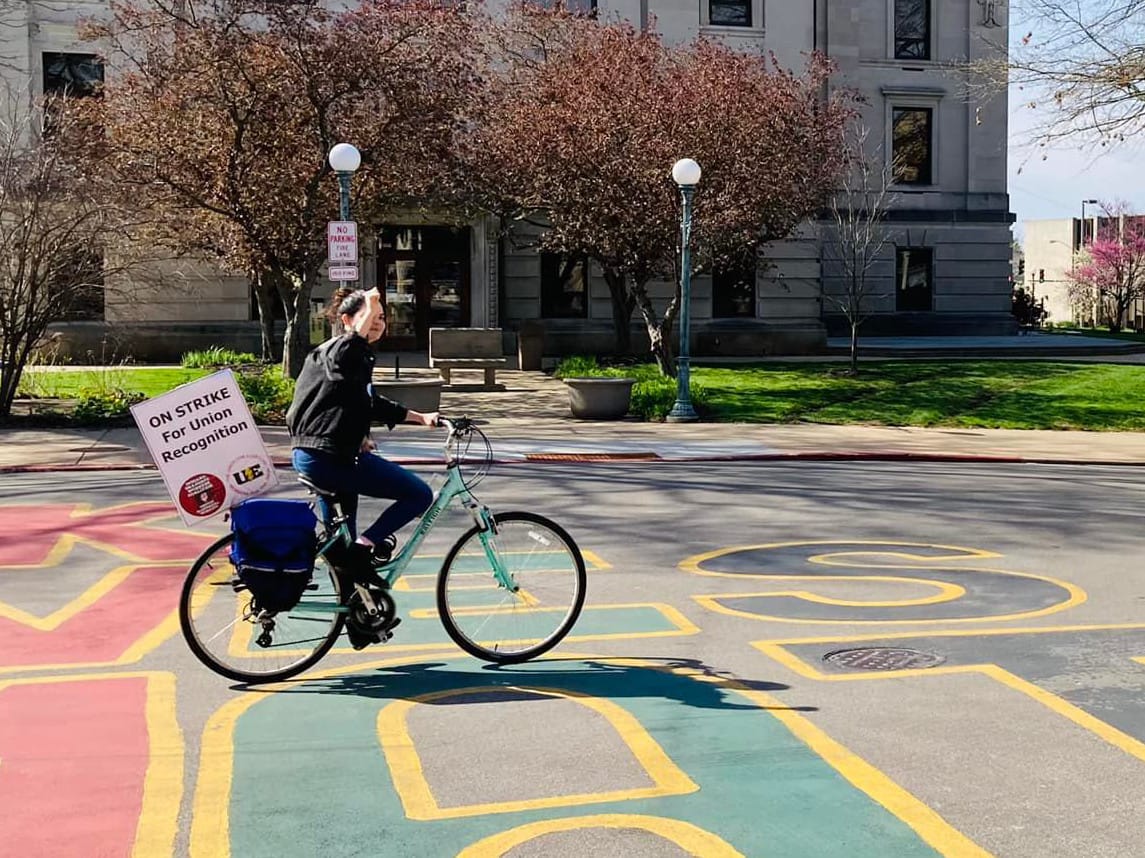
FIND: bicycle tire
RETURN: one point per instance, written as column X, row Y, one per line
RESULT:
column 471, row 643
column 233, row 671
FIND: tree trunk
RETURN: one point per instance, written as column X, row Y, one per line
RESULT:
column 265, row 296
column 12, row 362
column 296, row 343
column 659, row 331
column 622, row 306
column 854, row 348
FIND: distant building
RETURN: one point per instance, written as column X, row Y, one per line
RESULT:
column 947, row 269
column 1050, row 248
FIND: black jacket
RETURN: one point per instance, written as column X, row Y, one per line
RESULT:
column 333, row 405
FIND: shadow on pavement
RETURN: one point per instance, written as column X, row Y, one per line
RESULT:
column 687, row 681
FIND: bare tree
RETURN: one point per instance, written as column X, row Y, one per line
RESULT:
column 53, row 236
column 859, row 238
column 1080, row 66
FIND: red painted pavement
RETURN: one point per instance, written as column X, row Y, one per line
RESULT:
column 28, row 533
column 73, row 756
column 102, row 631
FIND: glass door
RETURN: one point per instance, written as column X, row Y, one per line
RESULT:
column 426, row 282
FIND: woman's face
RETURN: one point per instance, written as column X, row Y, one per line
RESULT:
column 375, row 331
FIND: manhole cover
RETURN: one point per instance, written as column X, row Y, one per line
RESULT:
column 883, row 658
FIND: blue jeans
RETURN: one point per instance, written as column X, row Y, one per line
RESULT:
column 371, row 476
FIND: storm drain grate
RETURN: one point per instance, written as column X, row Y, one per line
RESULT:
column 883, row 658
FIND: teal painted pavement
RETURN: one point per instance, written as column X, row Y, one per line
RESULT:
column 310, row 776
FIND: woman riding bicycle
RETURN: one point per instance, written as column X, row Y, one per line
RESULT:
column 329, row 421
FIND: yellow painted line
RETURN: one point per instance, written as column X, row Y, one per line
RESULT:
column 210, row 807
column 777, row 650
column 929, row 825
column 163, row 780
column 210, row 837
column 599, row 564
column 85, row 600
column 1139, row 658
column 1076, row 596
column 931, row 563
column 690, row 838
column 947, row 592
column 55, row 556
column 417, row 797
column 913, row 561
column 957, row 553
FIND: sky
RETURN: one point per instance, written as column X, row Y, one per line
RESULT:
column 1054, row 187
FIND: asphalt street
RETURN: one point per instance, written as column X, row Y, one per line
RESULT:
column 776, row 658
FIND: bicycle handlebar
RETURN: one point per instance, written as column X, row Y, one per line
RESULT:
column 455, row 425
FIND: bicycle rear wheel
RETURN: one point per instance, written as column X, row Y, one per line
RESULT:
column 510, row 625
column 223, row 632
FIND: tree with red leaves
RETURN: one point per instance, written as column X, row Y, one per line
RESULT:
column 218, row 116
column 589, row 126
column 1110, row 276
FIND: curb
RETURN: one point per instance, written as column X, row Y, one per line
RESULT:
column 655, row 458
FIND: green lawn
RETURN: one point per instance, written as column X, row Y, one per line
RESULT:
column 1001, row 394
column 55, row 383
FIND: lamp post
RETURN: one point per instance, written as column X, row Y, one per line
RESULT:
column 344, row 160
column 686, row 174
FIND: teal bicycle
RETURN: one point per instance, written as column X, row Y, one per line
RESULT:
column 509, row 590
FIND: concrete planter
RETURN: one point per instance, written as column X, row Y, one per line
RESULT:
column 599, row 398
column 417, row 394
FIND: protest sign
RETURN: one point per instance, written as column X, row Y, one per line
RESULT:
column 206, row 445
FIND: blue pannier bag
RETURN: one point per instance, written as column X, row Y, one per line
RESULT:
column 274, row 550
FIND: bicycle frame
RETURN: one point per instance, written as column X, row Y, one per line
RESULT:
column 454, row 487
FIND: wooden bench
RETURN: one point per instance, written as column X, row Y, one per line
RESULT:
column 466, row 348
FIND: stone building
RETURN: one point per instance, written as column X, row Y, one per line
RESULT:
column 945, row 268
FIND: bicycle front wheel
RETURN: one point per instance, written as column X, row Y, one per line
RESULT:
column 546, row 593
column 225, row 633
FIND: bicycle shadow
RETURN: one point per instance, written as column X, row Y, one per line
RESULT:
column 686, row 681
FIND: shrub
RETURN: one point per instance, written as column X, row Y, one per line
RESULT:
column 100, row 405
column 216, row 357
column 653, row 395
column 653, row 398
column 267, row 392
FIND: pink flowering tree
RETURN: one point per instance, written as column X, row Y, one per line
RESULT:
column 1111, row 274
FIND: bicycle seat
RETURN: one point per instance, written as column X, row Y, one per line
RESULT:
column 316, row 489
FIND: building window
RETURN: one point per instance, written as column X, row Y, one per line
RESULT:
column 912, row 29
column 729, row 13
column 564, row 286
column 914, row 279
column 72, row 75
column 733, row 293
column 912, row 145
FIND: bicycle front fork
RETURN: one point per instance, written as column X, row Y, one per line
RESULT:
column 487, row 531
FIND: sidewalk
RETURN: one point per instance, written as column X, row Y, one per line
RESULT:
column 528, row 420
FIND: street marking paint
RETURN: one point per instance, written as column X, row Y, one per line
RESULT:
column 777, row 650
column 691, row 838
column 948, row 591
column 681, row 627
column 161, row 790
column 928, row 824
column 417, row 797
column 105, row 630
column 957, row 553
column 210, row 825
column 426, row 582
